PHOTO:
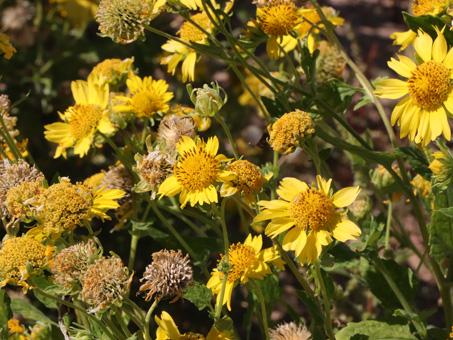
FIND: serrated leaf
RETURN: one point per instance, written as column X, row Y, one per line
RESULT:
column 199, row 295
column 426, row 23
column 441, row 233
column 403, row 277
column 375, row 330
column 29, row 311
column 416, row 159
column 312, row 307
column 308, row 63
column 5, row 313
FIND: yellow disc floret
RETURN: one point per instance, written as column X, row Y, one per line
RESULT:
column 83, row 118
column 191, row 33
column 312, row 209
column 433, row 7
column 14, row 255
column 19, row 199
column 241, row 257
column 249, row 179
column 278, row 17
column 429, row 84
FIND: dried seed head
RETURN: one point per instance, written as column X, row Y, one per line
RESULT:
column 118, row 177
column 124, row 20
column 105, row 282
column 70, row 264
column 172, row 128
column 13, row 175
column 5, row 103
column 290, row 331
column 168, row 275
column 154, row 168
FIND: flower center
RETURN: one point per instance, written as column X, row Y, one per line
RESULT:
column 84, row 118
column 146, row 103
column 191, row 33
column 278, row 18
column 420, row 7
column 311, row 209
column 249, row 179
column 429, row 84
column 192, row 336
column 197, row 169
column 241, row 257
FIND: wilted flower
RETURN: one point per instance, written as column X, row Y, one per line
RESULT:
column 284, row 134
column 118, row 177
column 12, row 175
column 173, row 127
column 5, row 103
column 421, row 186
column 329, row 64
column 167, row 276
column 70, row 264
column 5, row 46
column 105, row 283
column 290, row 331
column 153, row 169
column 16, row 253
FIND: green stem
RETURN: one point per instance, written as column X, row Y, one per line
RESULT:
column 326, row 302
column 134, row 241
column 145, row 127
column 112, row 327
column 80, row 309
column 388, row 224
column 148, row 318
column 120, row 320
column 226, row 244
column 293, row 268
column 9, row 140
column 263, row 308
column 228, row 133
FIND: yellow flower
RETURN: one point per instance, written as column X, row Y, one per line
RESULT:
column 78, row 11
column 403, row 38
column 278, row 18
column 248, row 261
column 15, row 327
column 83, row 120
column 15, row 253
column 312, row 216
column 168, row 330
column 6, row 47
column 179, row 52
column 196, row 172
column 247, row 182
column 113, row 71
column 148, row 97
column 422, row 114
column 192, row 4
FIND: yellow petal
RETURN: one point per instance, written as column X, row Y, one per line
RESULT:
column 403, row 67
column 168, row 325
column 323, row 185
column 345, row 230
column 423, row 45
column 290, row 187
column 278, row 226
column 439, row 46
column 344, row 197
column 170, row 187
column 391, row 89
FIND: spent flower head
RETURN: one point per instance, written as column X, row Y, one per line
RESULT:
column 105, row 283
column 290, row 331
column 118, row 177
column 172, row 128
column 286, row 132
column 168, row 275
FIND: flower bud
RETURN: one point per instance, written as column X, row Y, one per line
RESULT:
column 207, row 100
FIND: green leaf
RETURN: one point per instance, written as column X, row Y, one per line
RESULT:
column 376, row 330
column 403, row 277
column 43, row 283
column 274, row 107
column 328, row 282
column 199, row 295
column 416, row 159
column 5, row 313
column 441, row 232
column 426, row 23
column 146, row 229
column 308, row 63
column 365, row 100
column 29, row 311
column 337, row 95
column 312, row 307
column 343, row 256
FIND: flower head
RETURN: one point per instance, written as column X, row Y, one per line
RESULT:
column 247, row 261
column 432, row 7
column 284, row 134
column 168, row 330
column 82, row 120
column 421, row 114
column 70, row 264
column 148, row 97
column 15, row 253
column 5, row 46
column 118, row 177
column 114, row 71
column 124, row 21
column 153, row 169
column 310, row 215
column 105, row 282
column 173, row 127
column 13, row 175
column 248, row 181
column 196, row 172
column 15, row 327
column 168, row 275
column 421, row 186
column 290, row 331
column 19, row 200
column 329, row 64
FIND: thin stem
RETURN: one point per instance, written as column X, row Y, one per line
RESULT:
column 112, row 326
column 148, row 318
column 120, row 320
column 228, row 133
column 134, row 241
column 388, row 224
column 293, row 268
column 326, row 302
column 263, row 308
